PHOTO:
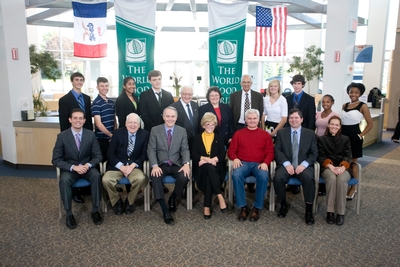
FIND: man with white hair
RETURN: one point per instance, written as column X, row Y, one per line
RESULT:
column 126, row 154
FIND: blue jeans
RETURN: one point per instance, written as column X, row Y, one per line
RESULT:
column 238, row 176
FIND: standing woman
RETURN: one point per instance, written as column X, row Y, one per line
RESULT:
column 275, row 109
column 322, row 117
column 208, row 155
column 353, row 113
column 224, row 127
column 334, row 157
column 127, row 102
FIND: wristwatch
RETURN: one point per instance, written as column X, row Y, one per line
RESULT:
column 187, row 162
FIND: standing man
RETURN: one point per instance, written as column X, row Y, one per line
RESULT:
column 77, row 153
column 250, row 158
column 75, row 99
column 103, row 112
column 295, row 153
column 240, row 102
column 188, row 113
column 126, row 154
column 168, row 153
column 154, row 101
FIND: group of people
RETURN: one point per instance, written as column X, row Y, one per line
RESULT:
column 176, row 132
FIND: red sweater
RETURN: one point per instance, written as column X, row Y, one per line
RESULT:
column 252, row 146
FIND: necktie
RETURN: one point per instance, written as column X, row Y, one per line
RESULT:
column 78, row 141
column 246, row 104
column 131, row 145
column 169, row 138
column 190, row 114
column 296, row 101
column 80, row 102
column 295, row 150
column 159, row 98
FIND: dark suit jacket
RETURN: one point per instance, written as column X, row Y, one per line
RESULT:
column 256, row 102
column 66, row 154
column 307, row 107
column 150, row 109
column 158, row 152
column 225, row 130
column 117, row 150
column 183, row 119
column 308, row 150
column 124, row 107
column 66, row 104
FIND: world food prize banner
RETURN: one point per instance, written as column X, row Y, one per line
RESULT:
column 135, row 26
column 226, row 43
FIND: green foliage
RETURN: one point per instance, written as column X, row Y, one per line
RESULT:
column 44, row 62
column 311, row 66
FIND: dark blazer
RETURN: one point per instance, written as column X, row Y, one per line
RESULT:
column 150, row 109
column 225, row 130
column 308, row 149
column 256, row 102
column 158, row 152
column 66, row 104
column 183, row 119
column 217, row 150
column 307, row 107
column 118, row 149
column 335, row 150
column 124, row 107
column 66, row 154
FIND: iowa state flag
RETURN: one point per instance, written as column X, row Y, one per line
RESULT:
column 90, row 29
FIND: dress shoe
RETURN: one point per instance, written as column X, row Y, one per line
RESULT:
column 97, row 220
column 70, row 222
column 244, row 212
column 395, row 140
column 330, row 218
column 207, row 216
column 350, row 198
column 254, row 215
column 224, row 210
column 78, row 199
column 283, row 211
column 296, row 190
column 166, row 190
column 250, row 188
column 168, row 218
column 309, row 218
column 339, row 219
column 128, row 208
column 117, row 208
column 171, row 205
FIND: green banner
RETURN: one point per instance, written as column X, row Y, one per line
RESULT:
column 135, row 28
column 226, row 45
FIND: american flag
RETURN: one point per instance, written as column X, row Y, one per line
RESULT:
column 270, row 31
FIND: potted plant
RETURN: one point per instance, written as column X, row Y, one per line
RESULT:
column 42, row 62
column 176, row 84
column 311, row 66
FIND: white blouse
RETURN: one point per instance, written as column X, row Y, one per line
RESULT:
column 275, row 112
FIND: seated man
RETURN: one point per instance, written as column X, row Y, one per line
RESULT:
column 126, row 154
column 294, row 145
column 251, row 150
column 77, row 153
column 168, row 153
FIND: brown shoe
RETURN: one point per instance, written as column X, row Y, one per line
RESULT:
column 254, row 216
column 244, row 212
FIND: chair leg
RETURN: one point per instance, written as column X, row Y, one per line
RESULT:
column 189, row 195
column 271, row 197
column 146, row 193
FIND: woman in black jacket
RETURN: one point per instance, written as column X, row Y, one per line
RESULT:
column 127, row 102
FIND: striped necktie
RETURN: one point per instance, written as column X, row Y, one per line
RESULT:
column 80, row 102
column 296, row 101
column 78, row 141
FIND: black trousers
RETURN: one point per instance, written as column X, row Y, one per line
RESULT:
column 181, row 180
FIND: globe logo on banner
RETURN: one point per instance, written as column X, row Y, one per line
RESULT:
column 227, row 52
column 136, row 50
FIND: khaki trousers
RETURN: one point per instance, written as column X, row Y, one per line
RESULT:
column 336, row 190
column 138, row 182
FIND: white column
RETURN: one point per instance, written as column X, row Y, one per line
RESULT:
column 14, row 74
column 339, row 38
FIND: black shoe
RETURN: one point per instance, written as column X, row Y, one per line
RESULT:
column 168, row 218
column 128, row 208
column 250, row 188
column 321, row 190
column 171, row 205
column 339, row 219
column 224, row 210
column 207, row 217
column 70, row 222
column 283, row 211
column 117, row 208
column 78, row 199
column 97, row 220
column 166, row 190
column 330, row 217
column 296, row 189
column 309, row 218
